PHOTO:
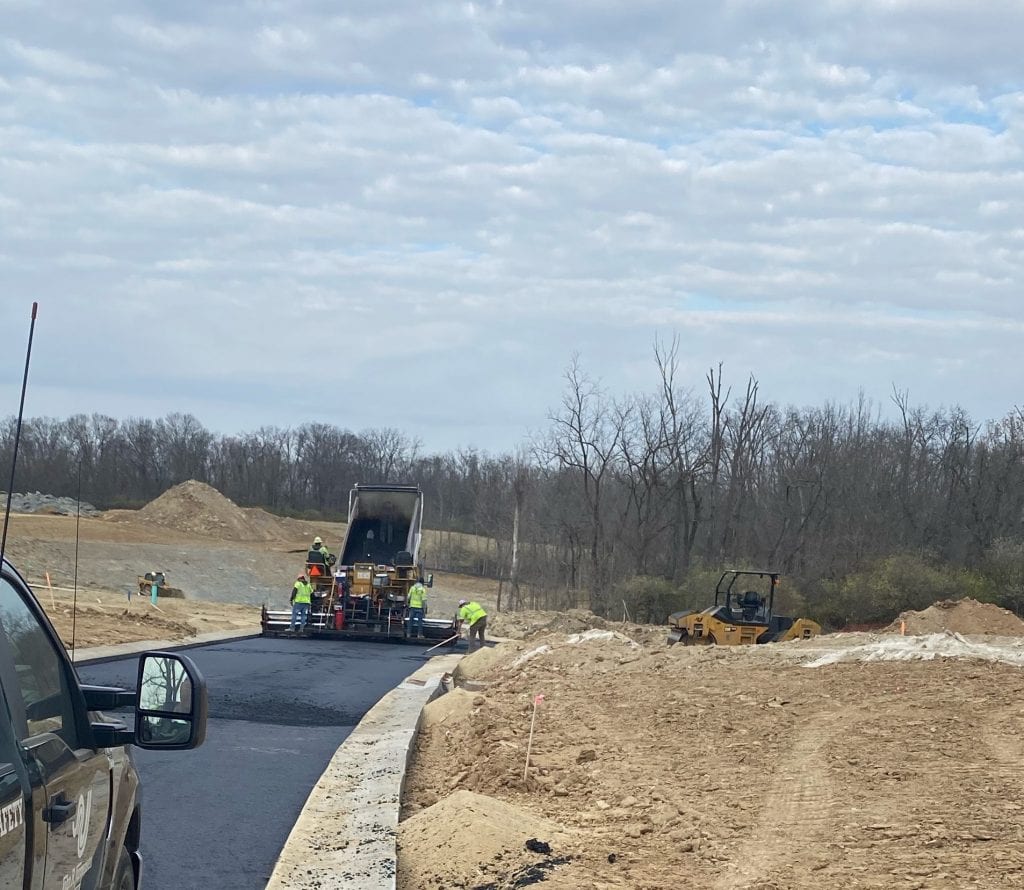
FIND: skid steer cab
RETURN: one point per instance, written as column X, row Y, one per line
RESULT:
column 743, row 614
column 69, row 791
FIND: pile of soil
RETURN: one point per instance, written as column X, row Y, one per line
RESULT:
column 482, row 838
column 197, row 508
column 456, row 705
column 966, row 616
column 519, row 625
column 37, row 502
column 568, row 650
column 529, row 624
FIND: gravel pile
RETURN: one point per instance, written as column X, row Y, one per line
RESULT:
column 36, row 502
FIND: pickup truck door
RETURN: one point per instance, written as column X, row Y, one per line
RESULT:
column 72, row 809
column 70, row 778
column 14, row 808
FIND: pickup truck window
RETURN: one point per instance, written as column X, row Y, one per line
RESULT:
column 42, row 681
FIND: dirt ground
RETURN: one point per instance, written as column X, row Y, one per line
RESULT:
column 854, row 760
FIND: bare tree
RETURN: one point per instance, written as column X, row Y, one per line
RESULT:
column 585, row 440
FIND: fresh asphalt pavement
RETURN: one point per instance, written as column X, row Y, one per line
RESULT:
column 279, row 708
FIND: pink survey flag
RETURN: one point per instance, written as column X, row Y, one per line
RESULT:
column 538, row 699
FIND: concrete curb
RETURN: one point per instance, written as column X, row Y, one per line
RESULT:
column 345, row 835
column 99, row 654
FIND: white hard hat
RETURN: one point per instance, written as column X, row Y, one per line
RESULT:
column 463, row 602
column 317, row 540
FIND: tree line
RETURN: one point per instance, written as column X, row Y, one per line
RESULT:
column 628, row 504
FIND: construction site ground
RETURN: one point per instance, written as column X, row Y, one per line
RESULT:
column 858, row 760
column 227, row 560
column 852, row 760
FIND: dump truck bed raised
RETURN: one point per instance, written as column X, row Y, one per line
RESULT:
column 383, row 522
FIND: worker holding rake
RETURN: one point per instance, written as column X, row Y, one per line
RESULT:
column 473, row 614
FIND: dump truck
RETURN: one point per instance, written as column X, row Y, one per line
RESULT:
column 740, row 616
column 366, row 596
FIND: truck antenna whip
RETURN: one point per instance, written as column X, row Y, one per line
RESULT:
column 17, row 435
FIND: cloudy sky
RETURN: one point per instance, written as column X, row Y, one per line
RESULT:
column 414, row 213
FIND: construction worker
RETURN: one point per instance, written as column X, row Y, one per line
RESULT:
column 417, row 608
column 318, row 563
column 472, row 613
column 302, row 596
column 320, row 547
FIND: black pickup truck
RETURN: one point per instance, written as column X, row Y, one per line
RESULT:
column 69, row 792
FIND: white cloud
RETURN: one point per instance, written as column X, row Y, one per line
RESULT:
column 828, row 195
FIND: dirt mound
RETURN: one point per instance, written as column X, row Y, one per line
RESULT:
column 471, row 840
column 455, row 705
column 519, row 625
column 530, row 624
column 556, row 651
column 197, row 508
column 480, row 663
column 966, row 616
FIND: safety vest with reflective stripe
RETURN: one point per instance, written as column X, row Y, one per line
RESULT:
column 417, row 594
column 472, row 612
column 303, row 591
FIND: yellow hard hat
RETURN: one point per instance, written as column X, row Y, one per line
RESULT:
column 317, row 540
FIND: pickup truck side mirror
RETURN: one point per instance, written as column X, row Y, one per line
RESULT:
column 170, row 703
column 170, row 706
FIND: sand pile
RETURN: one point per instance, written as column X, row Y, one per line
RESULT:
column 530, row 623
column 515, row 658
column 454, row 706
column 471, row 840
column 966, row 616
column 519, row 625
column 479, row 664
column 197, row 508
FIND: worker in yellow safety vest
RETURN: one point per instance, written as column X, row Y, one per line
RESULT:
column 473, row 614
column 417, row 608
column 302, row 596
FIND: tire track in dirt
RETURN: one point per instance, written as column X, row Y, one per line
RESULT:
column 797, row 810
column 1001, row 735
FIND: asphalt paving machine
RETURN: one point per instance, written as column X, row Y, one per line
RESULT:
column 743, row 614
column 364, row 593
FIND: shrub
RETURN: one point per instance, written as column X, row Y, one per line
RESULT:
column 1003, row 566
column 652, row 600
column 646, row 599
column 880, row 592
